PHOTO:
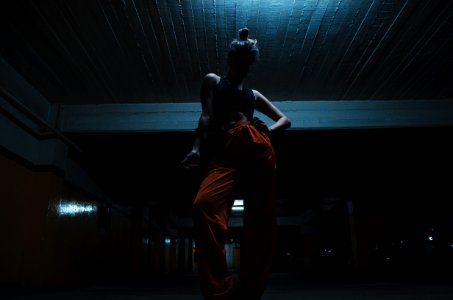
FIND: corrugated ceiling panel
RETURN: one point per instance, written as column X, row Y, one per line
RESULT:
column 121, row 51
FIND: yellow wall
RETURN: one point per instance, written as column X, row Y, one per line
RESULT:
column 39, row 245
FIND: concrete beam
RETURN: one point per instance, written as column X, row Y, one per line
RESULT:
column 305, row 115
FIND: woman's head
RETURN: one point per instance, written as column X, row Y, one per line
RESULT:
column 243, row 53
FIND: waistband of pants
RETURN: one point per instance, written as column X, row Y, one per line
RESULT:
column 237, row 124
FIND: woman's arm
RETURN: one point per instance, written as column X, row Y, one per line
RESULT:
column 263, row 105
column 192, row 159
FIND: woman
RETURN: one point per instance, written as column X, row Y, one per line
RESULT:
column 238, row 159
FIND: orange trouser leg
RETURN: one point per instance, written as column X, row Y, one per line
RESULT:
column 211, row 213
column 248, row 154
column 260, row 221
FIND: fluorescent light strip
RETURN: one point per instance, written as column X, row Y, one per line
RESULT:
column 73, row 208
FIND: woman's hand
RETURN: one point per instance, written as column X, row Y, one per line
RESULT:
column 192, row 160
column 260, row 125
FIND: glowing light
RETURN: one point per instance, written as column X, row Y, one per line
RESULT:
column 238, row 202
column 430, row 238
column 73, row 208
column 167, row 241
column 238, row 205
column 327, row 252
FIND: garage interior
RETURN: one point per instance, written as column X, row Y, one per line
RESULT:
column 98, row 105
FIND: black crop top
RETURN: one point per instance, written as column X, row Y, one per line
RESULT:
column 228, row 99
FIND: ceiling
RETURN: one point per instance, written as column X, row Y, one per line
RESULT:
column 146, row 51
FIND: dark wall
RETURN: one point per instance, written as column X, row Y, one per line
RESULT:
column 397, row 182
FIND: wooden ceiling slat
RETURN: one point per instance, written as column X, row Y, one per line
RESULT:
column 383, row 42
column 40, row 71
column 275, row 61
column 194, row 36
column 181, row 56
column 378, row 30
column 182, row 16
column 272, row 50
column 364, row 13
column 409, row 46
column 159, row 50
column 311, row 22
column 143, row 42
column 206, row 41
column 79, row 61
column 166, row 33
column 297, row 30
column 241, row 14
column 191, row 47
column 395, row 48
column 285, row 62
column 329, row 51
column 423, row 76
column 313, row 35
column 118, row 54
column 208, row 9
column 199, row 23
column 129, row 72
column 425, row 42
column 341, row 40
column 220, row 35
column 230, row 21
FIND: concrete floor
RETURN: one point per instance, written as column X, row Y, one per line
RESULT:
column 282, row 286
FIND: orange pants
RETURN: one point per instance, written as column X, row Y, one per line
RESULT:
column 246, row 163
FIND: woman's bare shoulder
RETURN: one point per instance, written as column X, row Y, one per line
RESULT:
column 211, row 79
column 258, row 95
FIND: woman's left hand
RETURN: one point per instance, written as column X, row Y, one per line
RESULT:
column 192, row 160
column 260, row 125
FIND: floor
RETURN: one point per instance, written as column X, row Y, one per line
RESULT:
column 282, row 286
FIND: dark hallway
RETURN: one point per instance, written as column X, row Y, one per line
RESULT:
column 99, row 101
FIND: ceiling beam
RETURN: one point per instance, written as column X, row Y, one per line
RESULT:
column 305, row 115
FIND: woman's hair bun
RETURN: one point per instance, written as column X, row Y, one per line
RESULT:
column 243, row 50
column 244, row 34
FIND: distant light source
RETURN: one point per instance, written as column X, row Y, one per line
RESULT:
column 238, row 205
column 73, row 208
column 167, row 241
column 238, row 202
column 430, row 238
